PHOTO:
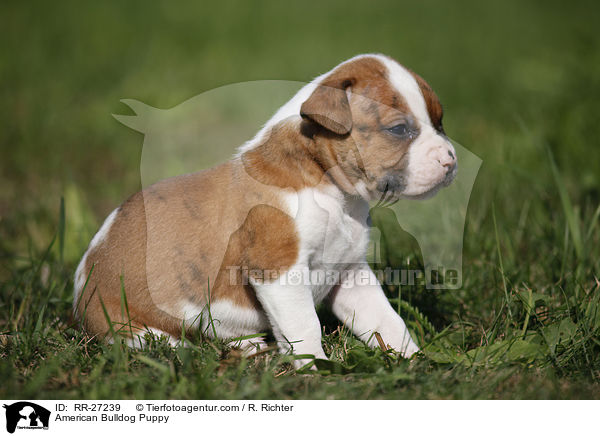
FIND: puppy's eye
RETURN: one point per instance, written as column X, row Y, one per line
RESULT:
column 400, row 130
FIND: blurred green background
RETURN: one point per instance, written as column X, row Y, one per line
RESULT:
column 514, row 77
column 520, row 85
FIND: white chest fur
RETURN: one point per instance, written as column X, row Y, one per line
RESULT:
column 333, row 233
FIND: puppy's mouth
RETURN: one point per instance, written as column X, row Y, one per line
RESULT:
column 389, row 189
column 444, row 183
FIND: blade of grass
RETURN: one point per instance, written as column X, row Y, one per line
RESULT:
column 528, row 308
column 61, row 230
column 125, row 307
column 570, row 212
column 593, row 222
column 500, row 261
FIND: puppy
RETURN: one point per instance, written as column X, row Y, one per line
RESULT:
column 255, row 243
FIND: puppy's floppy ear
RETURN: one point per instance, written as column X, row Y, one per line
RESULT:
column 328, row 106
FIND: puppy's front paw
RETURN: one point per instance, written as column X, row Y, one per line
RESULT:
column 403, row 345
column 302, row 361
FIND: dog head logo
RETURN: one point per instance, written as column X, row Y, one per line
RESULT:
column 26, row 415
column 204, row 131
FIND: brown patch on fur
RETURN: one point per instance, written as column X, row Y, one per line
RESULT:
column 266, row 244
column 374, row 106
column 328, row 105
column 111, row 260
column 168, row 256
column 284, row 159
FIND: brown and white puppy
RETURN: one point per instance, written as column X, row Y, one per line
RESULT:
column 234, row 250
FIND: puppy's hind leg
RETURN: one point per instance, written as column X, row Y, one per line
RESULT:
column 239, row 324
column 249, row 346
column 140, row 338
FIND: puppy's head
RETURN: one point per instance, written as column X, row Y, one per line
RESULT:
column 380, row 126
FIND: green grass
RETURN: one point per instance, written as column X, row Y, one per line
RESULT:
column 520, row 85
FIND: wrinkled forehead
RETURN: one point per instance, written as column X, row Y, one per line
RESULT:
column 384, row 80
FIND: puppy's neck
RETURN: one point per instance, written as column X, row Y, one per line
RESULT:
column 294, row 155
column 286, row 158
